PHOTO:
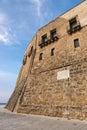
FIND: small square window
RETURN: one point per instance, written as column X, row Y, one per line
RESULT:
column 53, row 33
column 76, row 43
column 41, row 56
column 44, row 38
column 52, row 51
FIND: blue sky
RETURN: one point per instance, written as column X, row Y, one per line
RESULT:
column 19, row 20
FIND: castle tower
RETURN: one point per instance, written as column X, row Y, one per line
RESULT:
column 53, row 78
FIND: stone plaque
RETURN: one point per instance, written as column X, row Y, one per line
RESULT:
column 63, row 74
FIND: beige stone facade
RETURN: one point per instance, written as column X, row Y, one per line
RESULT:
column 53, row 78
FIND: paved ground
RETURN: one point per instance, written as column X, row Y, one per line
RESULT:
column 10, row 121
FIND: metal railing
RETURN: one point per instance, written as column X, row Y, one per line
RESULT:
column 48, row 41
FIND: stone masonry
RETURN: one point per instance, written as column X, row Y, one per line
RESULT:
column 53, row 78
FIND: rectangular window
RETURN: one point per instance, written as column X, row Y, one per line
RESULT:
column 41, row 56
column 53, row 34
column 73, row 23
column 44, row 38
column 76, row 43
column 52, row 51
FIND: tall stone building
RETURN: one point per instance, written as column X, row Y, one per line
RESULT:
column 53, row 78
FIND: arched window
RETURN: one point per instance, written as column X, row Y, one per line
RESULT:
column 41, row 56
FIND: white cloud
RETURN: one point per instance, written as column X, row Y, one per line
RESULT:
column 15, row 26
column 38, row 4
column 4, row 38
column 3, row 30
column 7, row 35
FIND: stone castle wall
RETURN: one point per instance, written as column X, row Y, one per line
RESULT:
column 55, row 85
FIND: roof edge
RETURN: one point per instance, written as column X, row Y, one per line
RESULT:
column 61, row 15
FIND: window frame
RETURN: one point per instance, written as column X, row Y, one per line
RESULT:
column 73, row 22
column 76, row 43
column 44, row 38
column 53, row 33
